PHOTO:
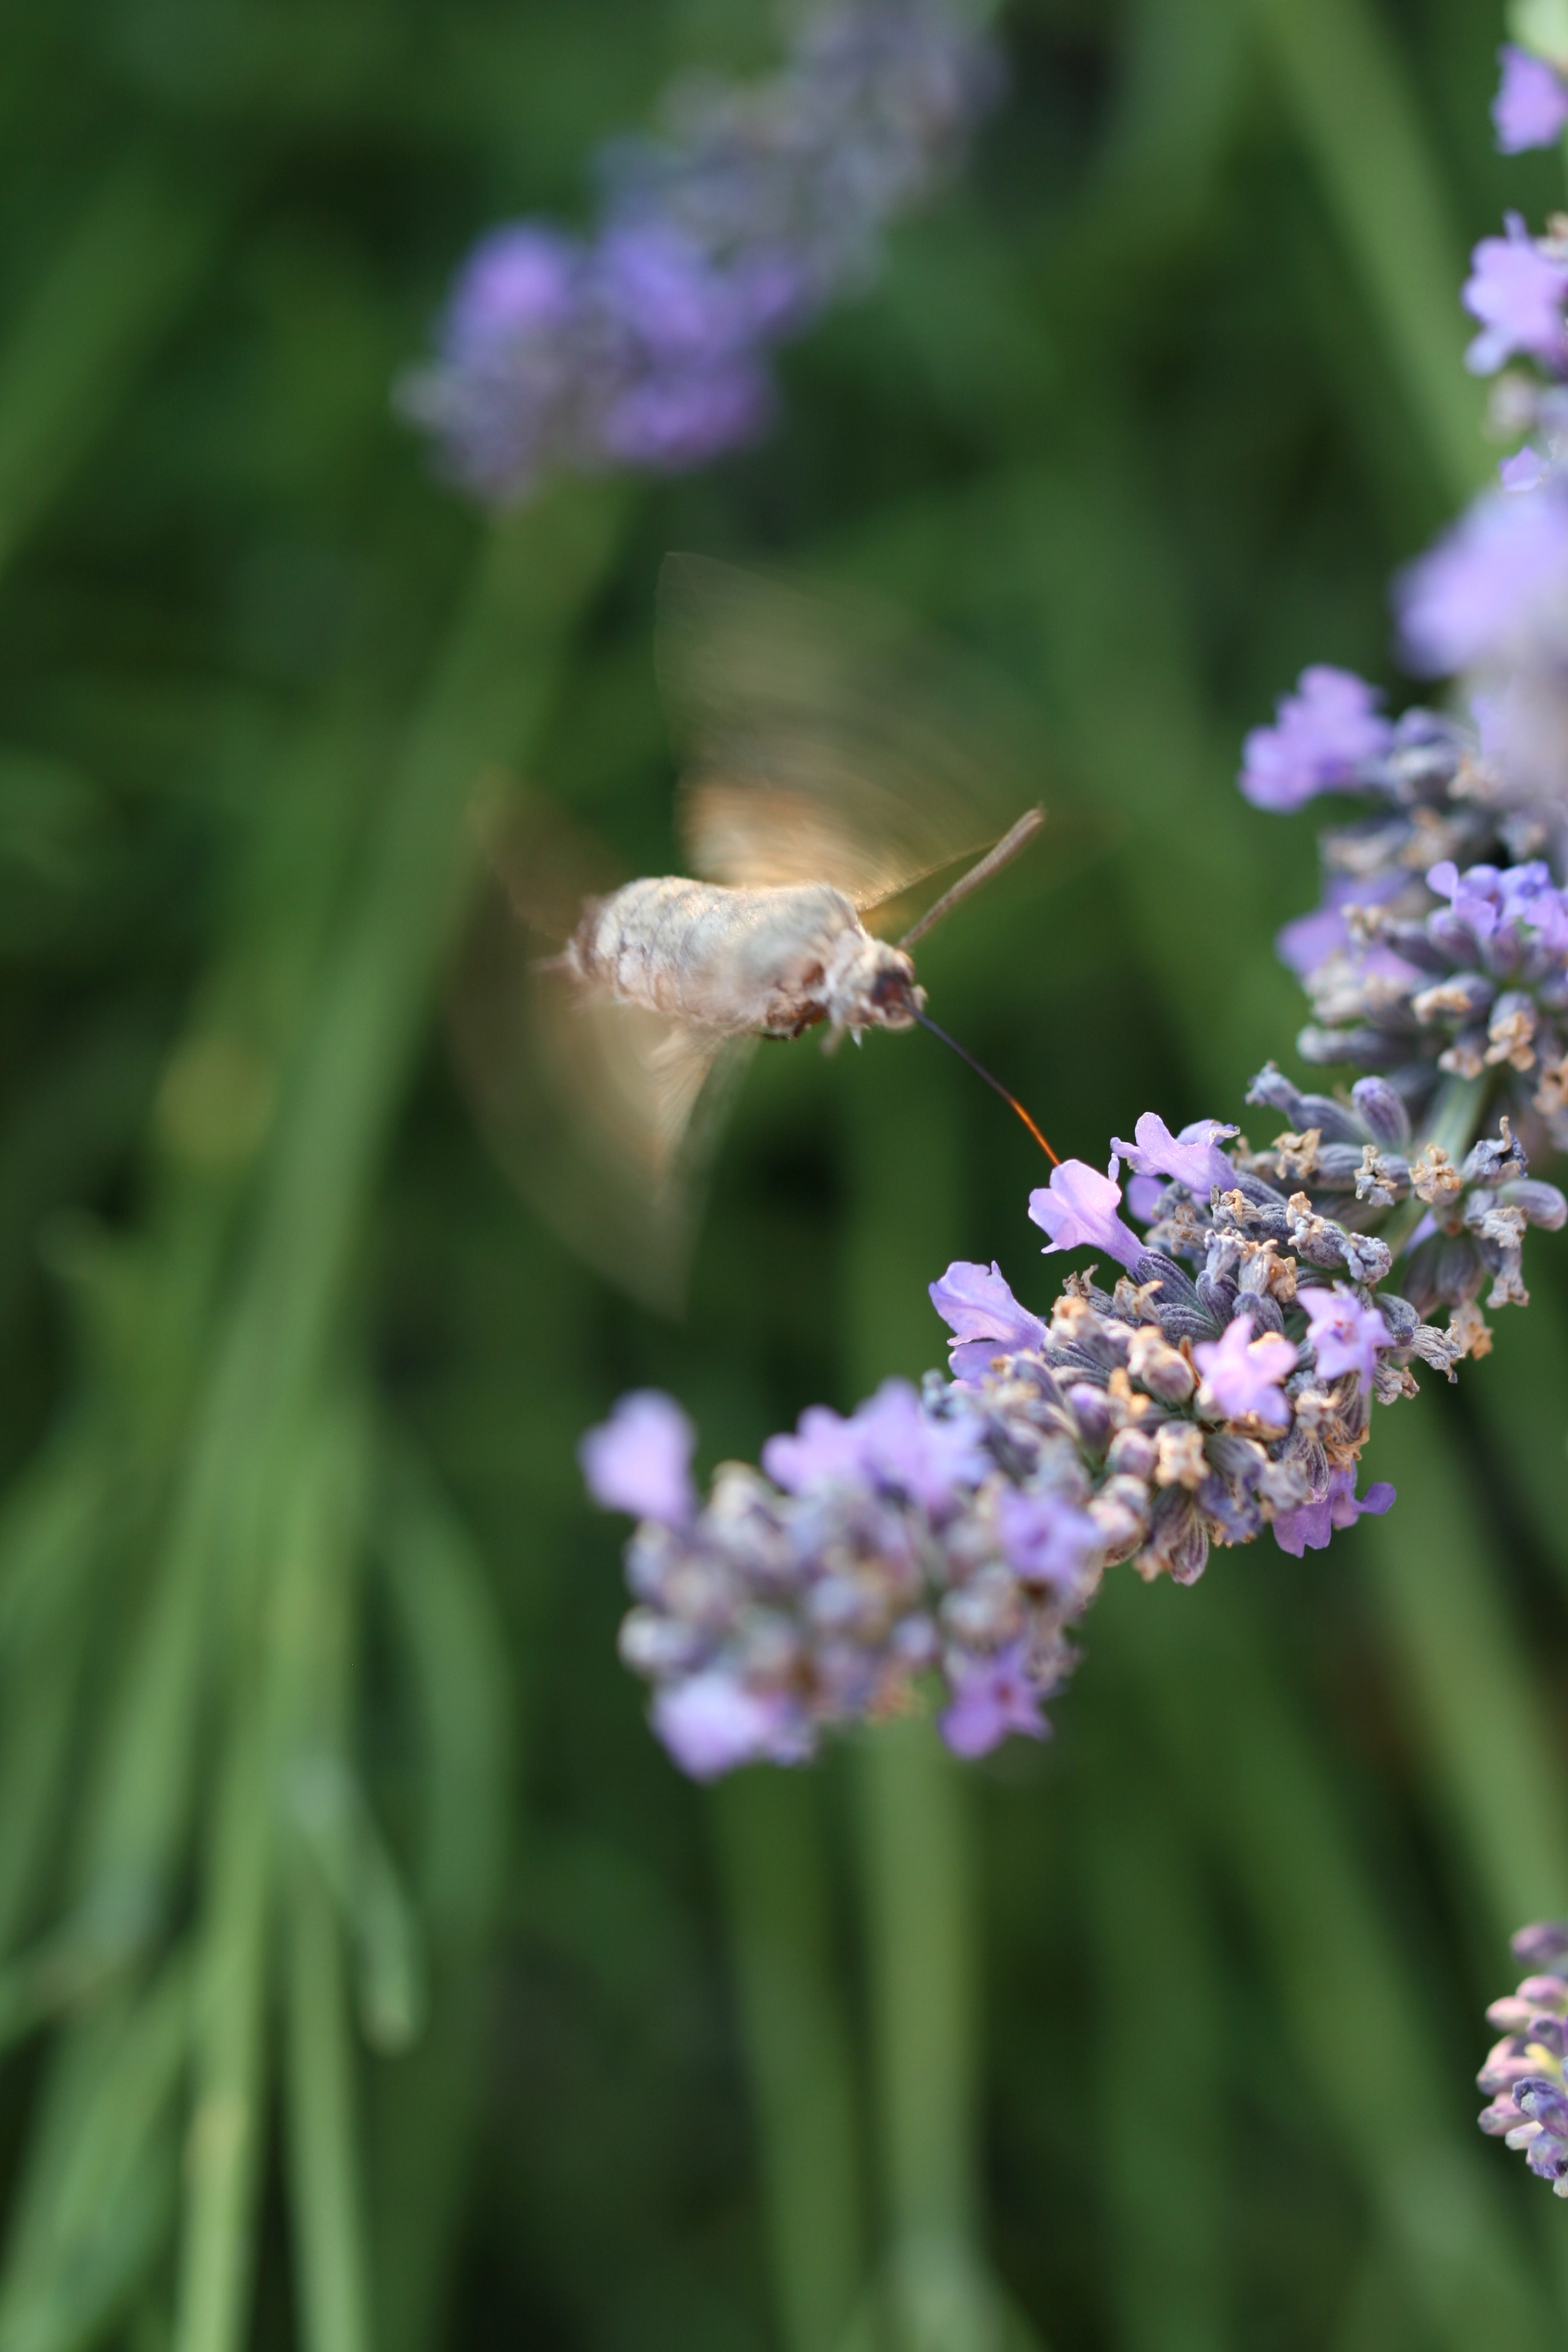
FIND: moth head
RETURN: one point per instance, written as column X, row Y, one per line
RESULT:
column 871, row 984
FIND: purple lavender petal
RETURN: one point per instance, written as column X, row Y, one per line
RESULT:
column 710, row 1723
column 1322, row 737
column 1516, row 292
column 1242, row 1374
column 640, row 1459
column 1045, row 1539
column 1312, row 1527
column 1077, row 1210
column 978, row 1306
column 1193, row 1158
column 1343, row 1335
column 826, row 1450
column 1530, row 108
column 991, row 1697
column 1494, row 585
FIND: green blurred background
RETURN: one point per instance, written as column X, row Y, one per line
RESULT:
column 369, row 1978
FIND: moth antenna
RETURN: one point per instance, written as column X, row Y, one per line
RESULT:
column 996, row 1083
column 1005, row 850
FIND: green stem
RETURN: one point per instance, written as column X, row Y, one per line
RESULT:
column 1342, row 81
column 1457, row 1115
column 797, row 2047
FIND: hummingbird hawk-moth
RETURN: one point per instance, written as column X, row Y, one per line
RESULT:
column 833, row 759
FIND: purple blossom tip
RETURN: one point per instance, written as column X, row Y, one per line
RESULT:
column 1322, row 736
column 984, row 1317
column 1343, row 1335
column 640, row 1459
column 1312, row 1526
column 1544, row 1941
column 1242, row 1375
column 1193, row 1158
column 1530, row 108
column 888, row 1443
column 1491, row 586
column 1516, row 292
column 1077, row 1210
column 992, row 1697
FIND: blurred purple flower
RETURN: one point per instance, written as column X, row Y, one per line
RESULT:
column 647, row 344
column 640, row 1459
column 888, row 1443
column 710, row 1723
column 1242, row 1374
column 1322, row 735
column 1077, row 1209
column 1530, row 108
column 1517, row 293
column 1045, row 1538
column 1307, row 942
column 1494, row 585
column 1312, row 1526
column 1193, row 1158
column 993, row 1696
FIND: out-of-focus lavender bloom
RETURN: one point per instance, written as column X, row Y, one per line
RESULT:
column 1242, row 1374
column 1343, row 1335
column 1077, row 1209
column 1530, row 108
column 1311, row 1527
column 888, row 1441
column 640, row 1459
column 647, row 343
column 1193, row 1158
column 1523, row 2074
column 710, row 1723
column 1494, row 588
column 1541, row 1944
column 1046, row 1539
column 1322, row 737
column 1516, row 291
column 993, row 1696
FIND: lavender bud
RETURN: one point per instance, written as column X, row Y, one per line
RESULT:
column 1383, row 1107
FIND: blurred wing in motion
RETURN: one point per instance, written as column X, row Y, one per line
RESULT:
column 827, row 739
column 604, row 1115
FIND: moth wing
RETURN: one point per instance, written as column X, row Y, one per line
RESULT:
column 603, row 1115
column 827, row 739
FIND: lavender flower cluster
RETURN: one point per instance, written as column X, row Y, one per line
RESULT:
column 1224, row 1385
column 646, row 345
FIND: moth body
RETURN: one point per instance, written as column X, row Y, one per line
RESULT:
column 742, row 963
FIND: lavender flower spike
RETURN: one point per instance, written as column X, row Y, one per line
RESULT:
column 1077, row 1209
column 647, row 342
column 1530, row 108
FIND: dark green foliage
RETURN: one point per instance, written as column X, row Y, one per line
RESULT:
column 368, row 1975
